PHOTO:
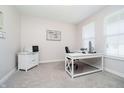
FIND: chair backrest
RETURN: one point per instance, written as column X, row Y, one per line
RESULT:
column 67, row 50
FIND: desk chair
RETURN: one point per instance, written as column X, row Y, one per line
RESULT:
column 68, row 51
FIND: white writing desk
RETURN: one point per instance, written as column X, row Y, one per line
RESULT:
column 70, row 57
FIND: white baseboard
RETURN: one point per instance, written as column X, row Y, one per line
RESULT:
column 50, row 61
column 7, row 76
column 115, row 72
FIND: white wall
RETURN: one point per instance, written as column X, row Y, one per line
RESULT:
column 114, row 66
column 33, row 32
column 9, row 46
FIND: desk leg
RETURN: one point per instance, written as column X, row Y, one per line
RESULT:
column 65, row 63
column 102, row 65
column 72, row 71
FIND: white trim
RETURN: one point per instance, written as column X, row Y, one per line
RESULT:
column 50, row 61
column 2, row 80
column 115, row 72
column 114, row 57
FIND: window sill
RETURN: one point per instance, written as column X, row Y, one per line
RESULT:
column 114, row 57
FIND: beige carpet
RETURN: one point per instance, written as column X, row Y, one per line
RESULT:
column 52, row 75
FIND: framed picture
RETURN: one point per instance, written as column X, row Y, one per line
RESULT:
column 53, row 35
column 2, row 33
column 1, row 21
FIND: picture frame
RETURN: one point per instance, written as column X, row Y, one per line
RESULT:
column 1, row 21
column 2, row 33
column 53, row 35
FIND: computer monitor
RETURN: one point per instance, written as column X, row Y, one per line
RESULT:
column 35, row 48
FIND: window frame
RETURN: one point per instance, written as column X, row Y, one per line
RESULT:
column 117, row 35
column 89, row 38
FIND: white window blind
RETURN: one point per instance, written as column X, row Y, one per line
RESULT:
column 114, row 34
column 88, row 34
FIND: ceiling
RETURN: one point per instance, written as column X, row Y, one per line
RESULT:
column 68, row 14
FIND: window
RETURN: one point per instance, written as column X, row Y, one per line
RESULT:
column 114, row 34
column 88, row 34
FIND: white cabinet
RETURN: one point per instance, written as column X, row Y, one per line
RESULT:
column 27, row 60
